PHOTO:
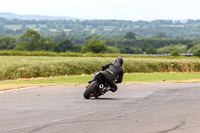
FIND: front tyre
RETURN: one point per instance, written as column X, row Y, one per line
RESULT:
column 91, row 88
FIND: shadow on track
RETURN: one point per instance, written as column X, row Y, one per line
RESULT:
column 106, row 98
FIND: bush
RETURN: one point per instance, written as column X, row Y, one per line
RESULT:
column 111, row 49
column 175, row 53
column 95, row 46
column 196, row 53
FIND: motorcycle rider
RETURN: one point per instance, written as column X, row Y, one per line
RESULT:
column 113, row 73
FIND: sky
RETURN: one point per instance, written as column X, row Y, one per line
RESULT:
column 106, row 9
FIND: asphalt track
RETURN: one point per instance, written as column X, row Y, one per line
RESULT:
column 134, row 108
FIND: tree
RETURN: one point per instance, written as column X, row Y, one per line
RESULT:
column 175, row 53
column 196, row 52
column 7, row 43
column 130, row 50
column 76, row 48
column 49, row 45
column 32, row 41
column 95, row 46
column 111, row 49
column 166, row 49
column 194, row 48
column 161, row 35
column 151, row 50
column 59, row 37
column 130, row 35
column 64, row 45
column 136, row 51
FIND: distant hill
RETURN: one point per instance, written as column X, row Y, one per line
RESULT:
column 11, row 16
column 53, row 25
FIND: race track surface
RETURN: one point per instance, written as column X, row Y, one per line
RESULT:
column 134, row 108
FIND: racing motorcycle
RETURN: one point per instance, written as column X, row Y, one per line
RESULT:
column 96, row 86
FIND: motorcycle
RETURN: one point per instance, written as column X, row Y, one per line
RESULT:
column 96, row 86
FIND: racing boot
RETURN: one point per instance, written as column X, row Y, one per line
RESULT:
column 105, row 89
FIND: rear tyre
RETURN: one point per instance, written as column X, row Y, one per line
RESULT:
column 91, row 88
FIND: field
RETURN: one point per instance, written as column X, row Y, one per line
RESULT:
column 15, row 67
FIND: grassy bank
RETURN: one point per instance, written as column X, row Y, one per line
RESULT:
column 14, row 67
column 128, row 78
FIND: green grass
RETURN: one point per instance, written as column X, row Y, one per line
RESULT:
column 52, row 80
column 128, row 78
column 161, row 77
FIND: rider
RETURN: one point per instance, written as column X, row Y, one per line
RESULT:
column 113, row 73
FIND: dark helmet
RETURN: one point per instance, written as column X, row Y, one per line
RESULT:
column 119, row 60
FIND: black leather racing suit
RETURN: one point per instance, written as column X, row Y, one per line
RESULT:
column 113, row 72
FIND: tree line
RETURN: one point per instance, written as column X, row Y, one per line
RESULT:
column 32, row 41
column 128, row 43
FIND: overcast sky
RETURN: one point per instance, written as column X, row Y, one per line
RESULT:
column 106, row 9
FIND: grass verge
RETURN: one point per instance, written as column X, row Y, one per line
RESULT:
column 82, row 79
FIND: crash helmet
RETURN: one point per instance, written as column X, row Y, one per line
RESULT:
column 119, row 60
